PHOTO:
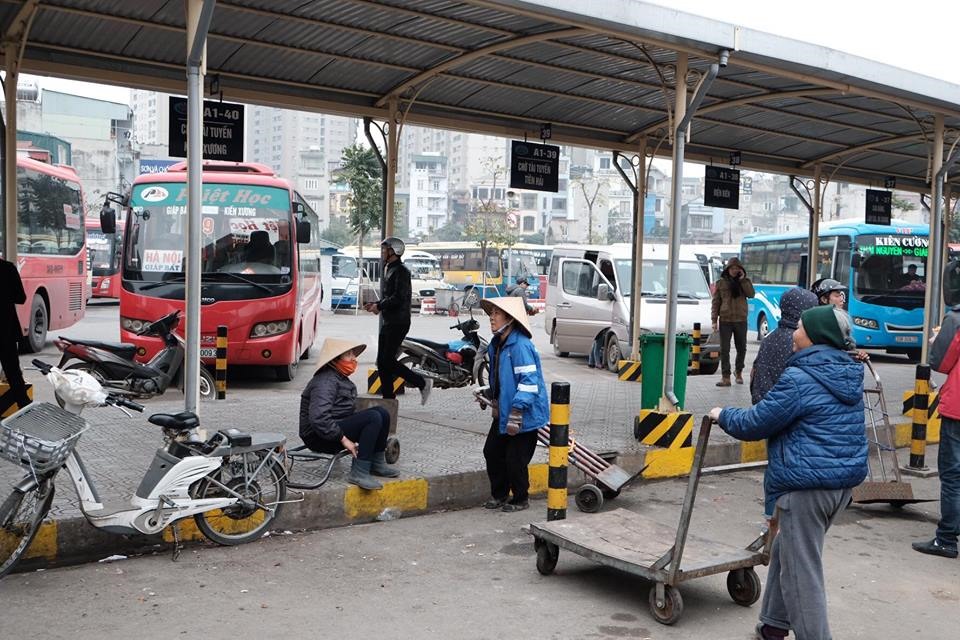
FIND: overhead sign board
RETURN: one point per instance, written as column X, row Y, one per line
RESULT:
column 534, row 166
column 721, row 188
column 879, row 204
column 222, row 130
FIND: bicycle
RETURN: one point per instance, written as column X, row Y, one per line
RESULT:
column 232, row 483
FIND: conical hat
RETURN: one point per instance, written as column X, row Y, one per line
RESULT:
column 514, row 307
column 333, row 348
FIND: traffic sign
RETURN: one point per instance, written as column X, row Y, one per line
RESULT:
column 879, row 204
column 534, row 166
column 721, row 188
column 222, row 130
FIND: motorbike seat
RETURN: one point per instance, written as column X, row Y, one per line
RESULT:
column 122, row 349
column 439, row 347
column 183, row 421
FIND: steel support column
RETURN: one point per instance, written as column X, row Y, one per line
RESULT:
column 813, row 237
column 638, row 239
column 390, row 179
column 10, row 153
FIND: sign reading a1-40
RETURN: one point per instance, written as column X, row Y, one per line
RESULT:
column 534, row 166
column 879, row 204
column 222, row 130
column 721, row 188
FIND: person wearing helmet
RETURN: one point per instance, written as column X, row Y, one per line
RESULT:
column 519, row 290
column 394, row 310
column 829, row 291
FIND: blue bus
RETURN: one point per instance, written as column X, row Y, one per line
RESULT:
column 883, row 268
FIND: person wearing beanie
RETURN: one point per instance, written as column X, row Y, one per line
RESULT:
column 777, row 347
column 729, row 316
column 813, row 421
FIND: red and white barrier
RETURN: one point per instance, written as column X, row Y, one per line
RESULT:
column 428, row 306
column 538, row 303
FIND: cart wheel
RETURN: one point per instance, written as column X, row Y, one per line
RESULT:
column 744, row 586
column 392, row 452
column 547, row 555
column 589, row 498
column 610, row 494
column 672, row 607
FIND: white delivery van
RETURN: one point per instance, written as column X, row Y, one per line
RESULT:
column 589, row 297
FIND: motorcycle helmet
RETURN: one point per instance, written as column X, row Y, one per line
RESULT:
column 523, row 280
column 394, row 243
column 825, row 286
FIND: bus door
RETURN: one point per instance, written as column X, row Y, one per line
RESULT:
column 584, row 309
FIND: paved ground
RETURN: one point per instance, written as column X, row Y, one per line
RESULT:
column 444, row 437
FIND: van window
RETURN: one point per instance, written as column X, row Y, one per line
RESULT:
column 580, row 279
column 554, row 271
column 606, row 268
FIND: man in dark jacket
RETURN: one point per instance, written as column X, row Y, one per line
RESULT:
column 394, row 310
column 944, row 357
column 777, row 347
column 817, row 452
column 519, row 290
column 729, row 316
column 11, row 294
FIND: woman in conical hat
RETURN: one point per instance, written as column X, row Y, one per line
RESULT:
column 329, row 421
column 519, row 403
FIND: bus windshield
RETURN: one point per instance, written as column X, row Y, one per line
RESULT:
column 892, row 267
column 345, row 267
column 522, row 264
column 245, row 230
column 690, row 279
column 423, row 268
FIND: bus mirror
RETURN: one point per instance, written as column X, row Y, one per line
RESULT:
column 298, row 209
column 856, row 259
column 303, row 231
column 108, row 220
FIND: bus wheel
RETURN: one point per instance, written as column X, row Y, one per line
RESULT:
column 37, row 324
column 913, row 355
column 286, row 373
column 763, row 328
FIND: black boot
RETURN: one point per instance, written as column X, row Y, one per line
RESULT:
column 360, row 475
column 381, row 468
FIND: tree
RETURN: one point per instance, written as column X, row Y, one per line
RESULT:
column 591, row 187
column 488, row 225
column 450, row 232
column 360, row 172
column 338, row 232
column 904, row 206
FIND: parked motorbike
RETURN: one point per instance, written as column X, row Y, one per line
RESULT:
column 458, row 363
column 114, row 366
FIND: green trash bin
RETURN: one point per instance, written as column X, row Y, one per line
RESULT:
column 651, row 367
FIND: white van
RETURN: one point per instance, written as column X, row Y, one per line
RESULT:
column 588, row 297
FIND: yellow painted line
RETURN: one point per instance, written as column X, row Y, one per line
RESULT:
column 753, row 451
column 405, row 495
column 538, row 478
column 556, row 498
column 44, row 545
column 189, row 531
column 668, row 463
column 560, row 414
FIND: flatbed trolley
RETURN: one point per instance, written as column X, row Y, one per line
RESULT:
column 609, row 478
column 634, row 544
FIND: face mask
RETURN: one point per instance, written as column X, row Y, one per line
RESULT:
column 503, row 328
column 345, row 367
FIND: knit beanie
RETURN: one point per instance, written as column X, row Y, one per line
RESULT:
column 828, row 325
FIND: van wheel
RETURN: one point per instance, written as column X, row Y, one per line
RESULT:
column 613, row 352
column 763, row 327
column 556, row 351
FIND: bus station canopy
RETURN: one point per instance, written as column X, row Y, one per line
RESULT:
column 601, row 73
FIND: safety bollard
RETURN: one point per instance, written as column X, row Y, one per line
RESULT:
column 221, row 370
column 918, row 437
column 695, row 350
column 559, row 451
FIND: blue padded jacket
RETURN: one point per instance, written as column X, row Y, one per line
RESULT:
column 813, row 418
column 521, row 384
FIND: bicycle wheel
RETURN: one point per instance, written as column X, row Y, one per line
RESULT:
column 20, row 517
column 263, row 484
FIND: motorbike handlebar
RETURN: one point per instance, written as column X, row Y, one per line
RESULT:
column 42, row 366
column 120, row 401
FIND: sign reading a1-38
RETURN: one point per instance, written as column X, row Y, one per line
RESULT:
column 534, row 166
column 222, row 130
column 721, row 188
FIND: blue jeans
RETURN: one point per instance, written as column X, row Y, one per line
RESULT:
column 948, row 464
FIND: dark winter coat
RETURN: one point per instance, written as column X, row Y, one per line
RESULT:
column 944, row 355
column 11, row 294
column 328, row 397
column 730, row 296
column 777, row 347
column 813, row 420
column 395, row 293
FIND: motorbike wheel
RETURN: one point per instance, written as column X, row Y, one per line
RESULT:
column 208, row 385
column 94, row 370
column 483, row 373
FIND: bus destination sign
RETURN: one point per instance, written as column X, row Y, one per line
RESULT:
column 878, row 207
column 721, row 187
column 222, row 130
column 534, row 166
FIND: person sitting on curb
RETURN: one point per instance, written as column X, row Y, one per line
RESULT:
column 777, row 347
column 816, row 452
column 330, row 423
column 519, row 403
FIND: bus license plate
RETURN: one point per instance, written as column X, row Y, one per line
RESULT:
column 208, row 353
column 911, row 339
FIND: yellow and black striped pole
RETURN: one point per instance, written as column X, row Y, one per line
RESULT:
column 221, row 371
column 918, row 436
column 559, row 450
column 695, row 351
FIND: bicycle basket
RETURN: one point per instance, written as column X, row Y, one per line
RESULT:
column 40, row 436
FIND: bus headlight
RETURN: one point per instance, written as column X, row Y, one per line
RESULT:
column 274, row 328
column 866, row 323
column 132, row 324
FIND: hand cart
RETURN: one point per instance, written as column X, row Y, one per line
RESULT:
column 609, row 478
column 634, row 544
column 312, row 476
column 883, row 483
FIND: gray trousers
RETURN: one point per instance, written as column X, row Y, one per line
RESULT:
column 795, row 596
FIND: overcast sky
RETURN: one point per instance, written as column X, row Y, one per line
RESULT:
column 916, row 35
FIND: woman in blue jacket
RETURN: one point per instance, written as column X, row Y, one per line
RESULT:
column 816, row 452
column 520, row 405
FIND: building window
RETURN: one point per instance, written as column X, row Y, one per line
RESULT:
column 419, row 221
column 528, row 201
column 419, row 204
column 559, row 204
column 528, row 223
column 604, row 163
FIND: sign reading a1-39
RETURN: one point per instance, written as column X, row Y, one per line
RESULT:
column 534, row 166
column 222, row 130
column 721, row 188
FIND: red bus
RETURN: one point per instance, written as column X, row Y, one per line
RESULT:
column 103, row 250
column 51, row 253
column 251, row 281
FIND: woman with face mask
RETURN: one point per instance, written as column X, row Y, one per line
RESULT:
column 329, row 421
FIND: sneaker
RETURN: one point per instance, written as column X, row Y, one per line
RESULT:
column 494, row 503
column 425, row 391
column 935, row 548
column 510, row 507
column 767, row 632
